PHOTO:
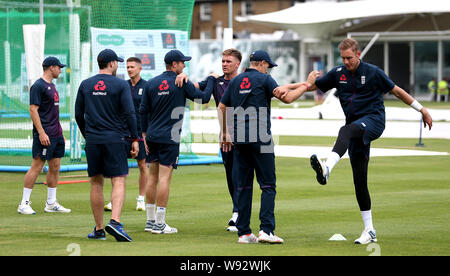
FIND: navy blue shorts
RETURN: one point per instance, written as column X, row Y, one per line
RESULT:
column 56, row 149
column 109, row 160
column 373, row 127
column 164, row 154
column 141, row 155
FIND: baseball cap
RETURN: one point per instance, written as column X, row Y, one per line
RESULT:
column 261, row 55
column 108, row 55
column 52, row 61
column 175, row 55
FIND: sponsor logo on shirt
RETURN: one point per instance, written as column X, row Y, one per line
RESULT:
column 100, row 86
column 245, row 86
column 163, row 87
column 343, row 79
column 56, row 98
column 363, row 79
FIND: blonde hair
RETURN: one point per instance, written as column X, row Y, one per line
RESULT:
column 349, row 43
column 233, row 52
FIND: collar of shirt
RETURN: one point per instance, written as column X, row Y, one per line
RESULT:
column 251, row 70
column 170, row 73
column 129, row 82
column 360, row 68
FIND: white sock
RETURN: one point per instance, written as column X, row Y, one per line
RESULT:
column 160, row 215
column 26, row 195
column 51, row 195
column 141, row 198
column 367, row 219
column 332, row 160
column 234, row 216
column 150, row 211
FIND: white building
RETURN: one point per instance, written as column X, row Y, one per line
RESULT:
column 409, row 39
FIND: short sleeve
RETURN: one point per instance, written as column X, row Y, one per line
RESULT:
column 270, row 85
column 35, row 94
column 385, row 84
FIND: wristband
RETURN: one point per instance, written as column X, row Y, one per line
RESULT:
column 306, row 84
column 416, row 105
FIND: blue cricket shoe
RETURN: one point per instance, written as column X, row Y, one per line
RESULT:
column 115, row 229
column 97, row 235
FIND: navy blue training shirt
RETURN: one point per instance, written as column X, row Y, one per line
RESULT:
column 163, row 104
column 361, row 93
column 44, row 95
column 137, row 93
column 250, row 94
column 220, row 85
column 103, row 102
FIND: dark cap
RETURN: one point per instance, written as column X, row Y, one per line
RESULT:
column 52, row 61
column 261, row 55
column 108, row 55
column 175, row 55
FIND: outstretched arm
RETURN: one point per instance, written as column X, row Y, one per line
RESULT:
column 409, row 100
column 290, row 92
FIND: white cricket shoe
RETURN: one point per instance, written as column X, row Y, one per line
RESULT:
column 140, row 205
column 322, row 171
column 249, row 238
column 232, row 223
column 266, row 238
column 232, row 228
column 149, row 225
column 367, row 236
column 108, row 207
column 163, row 229
column 25, row 208
column 56, row 208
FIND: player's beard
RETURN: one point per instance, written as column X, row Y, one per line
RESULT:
column 114, row 72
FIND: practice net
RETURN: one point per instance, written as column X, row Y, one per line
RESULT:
column 68, row 36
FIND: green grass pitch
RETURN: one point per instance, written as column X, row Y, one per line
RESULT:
column 410, row 203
